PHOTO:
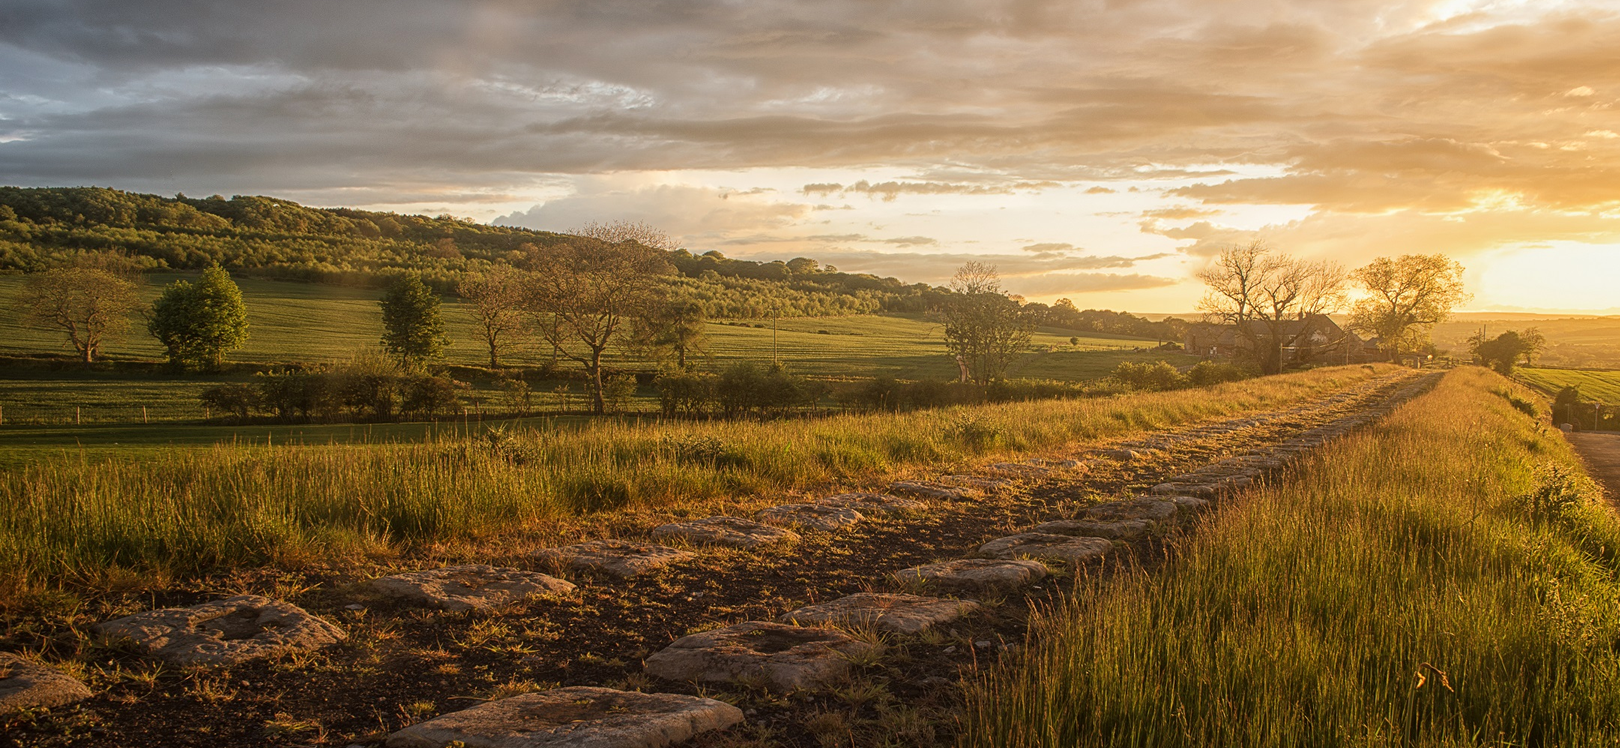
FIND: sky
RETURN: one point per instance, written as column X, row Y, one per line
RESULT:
column 1097, row 150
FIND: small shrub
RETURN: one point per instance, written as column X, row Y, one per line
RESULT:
column 617, row 390
column 237, row 399
column 1557, row 491
column 505, row 444
column 1159, row 375
column 685, row 393
column 516, row 394
column 700, row 449
column 973, row 433
column 1206, row 373
column 430, row 396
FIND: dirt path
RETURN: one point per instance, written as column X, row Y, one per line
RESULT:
column 1601, row 451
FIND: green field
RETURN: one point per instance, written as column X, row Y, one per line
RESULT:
column 315, row 323
column 1595, row 386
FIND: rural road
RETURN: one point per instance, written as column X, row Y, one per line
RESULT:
column 1601, row 451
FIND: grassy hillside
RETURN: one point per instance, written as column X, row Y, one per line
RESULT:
column 1598, row 386
column 78, row 521
column 1444, row 578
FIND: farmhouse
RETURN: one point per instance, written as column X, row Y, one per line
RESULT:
column 1315, row 339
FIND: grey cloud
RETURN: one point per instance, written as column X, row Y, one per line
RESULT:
column 399, row 96
column 1019, row 271
column 889, row 191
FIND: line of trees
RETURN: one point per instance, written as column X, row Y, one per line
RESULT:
column 1263, row 295
column 41, row 228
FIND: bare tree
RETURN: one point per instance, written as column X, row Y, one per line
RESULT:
column 983, row 326
column 1262, row 293
column 1405, row 298
column 584, row 295
column 496, row 297
column 90, row 300
column 628, row 231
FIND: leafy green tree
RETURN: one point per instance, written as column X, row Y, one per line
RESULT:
column 1501, row 352
column 676, row 327
column 200, row 322
column 90, row 300
column 412, row 328
column 1405, row 298
column 984, row 328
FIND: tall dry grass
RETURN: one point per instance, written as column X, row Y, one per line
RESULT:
column 1445, row 578
column 75, row 522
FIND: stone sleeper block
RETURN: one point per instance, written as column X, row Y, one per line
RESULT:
column 25, row 684
column 1152, row 509
column 622, row 558
column 901, row 614
column 928, row 490
column 470, row 586
column 575, row 717
column 232, row 630
column 1047, row 546
column 876, row 503
column 976, row 573
column 1125, row 529
column 728, row 531
column 776, row 654
column 814, row 516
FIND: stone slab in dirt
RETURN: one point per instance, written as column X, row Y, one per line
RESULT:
column 929, row 490
column 1189, row 504
column 25, row 684
column 876, row 503
column 777, row 655
column 469, row 586
column 225, row 631
column 1040, row 545
column 976, row 573
column 814, row 516
column 734, row 532
column 621, row 558
column 901, row 614
column 1123, row 455
column 575, row 717
column 1125, row 529
column 1156, row 509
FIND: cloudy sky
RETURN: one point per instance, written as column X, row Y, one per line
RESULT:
column 1093, row 149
